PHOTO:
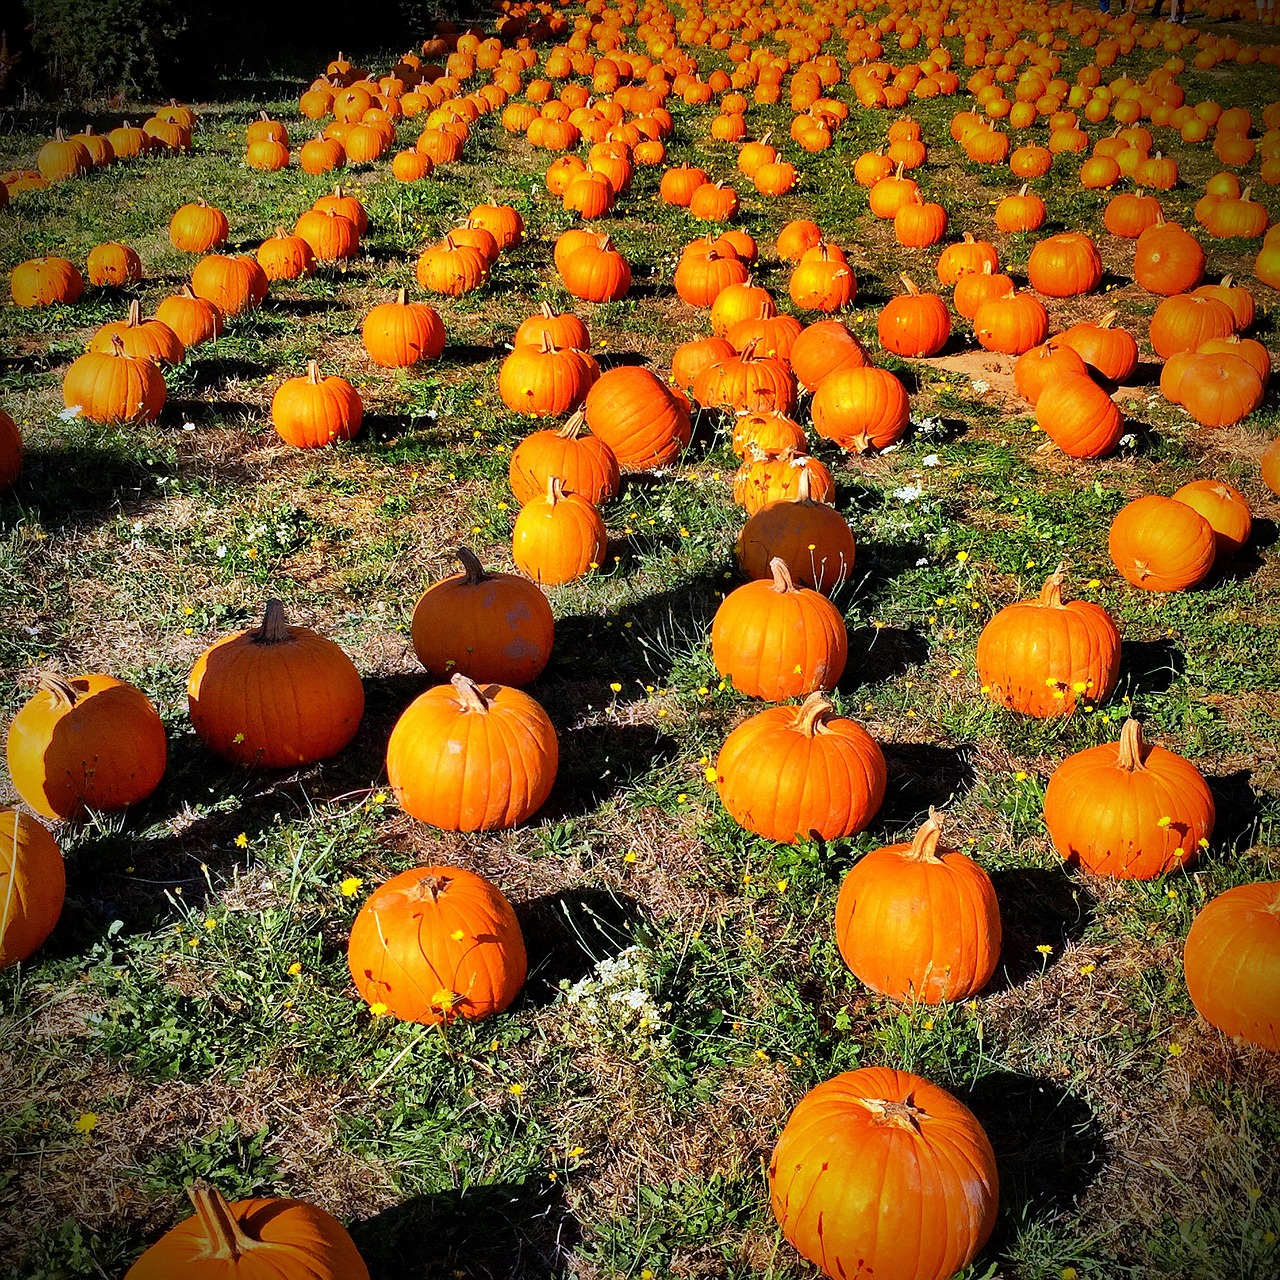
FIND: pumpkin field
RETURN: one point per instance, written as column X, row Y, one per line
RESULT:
column 640, row 641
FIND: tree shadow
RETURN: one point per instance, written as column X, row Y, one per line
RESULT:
column 877, row 654
column 1048, row 1144
column 80, row 483
column 568, row 933
column 1237, row 809
column 1039, row 907
column 503, row 1231
column 922, row 776
column 1149, row 666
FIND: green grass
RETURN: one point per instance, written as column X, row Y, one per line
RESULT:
column 195, row 997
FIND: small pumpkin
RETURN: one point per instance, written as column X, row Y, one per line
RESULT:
column 192, row 318
column 1227, row 511
column 1104, row 347
column 198, row 227
column 1011, row 325
column 400, row 334
column 558, row 537
column 822, row 348
column 113, row 387
column 311, row 412
column 1161, row 545
column 914, row 324
column 113, row 265
column 33, row 885
column 285, row 257
column 232, row 284
column 1167, row 259
column 546, row 380
column 1065, row 266
column 143, row 339
column 586, row 465
column 1078, row 416
column 1035, row 369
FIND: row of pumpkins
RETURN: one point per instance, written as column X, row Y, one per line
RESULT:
column 1127, row 809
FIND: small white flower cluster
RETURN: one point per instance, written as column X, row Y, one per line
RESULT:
column 614, row 1006
column 927, row 428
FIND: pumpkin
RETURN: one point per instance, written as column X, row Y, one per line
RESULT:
column 914, row 324
column 797, row 238
column 1237, row 298
column 502, row 221
column 495, row 628
column 713, row 202
column 976, row 287
column 1161, row 545
column 198, row 227
column 644, row 423
column 740, row 301
column 1187, row 320
column 1269, row 465
column 965, row 256
column 1250, row 350
column 87, row 742
column 678, row 185
column 1022, row 211
column 333, row 237
column 798, row 773
column 321, row 155
column 822, row 348
column 1227, row 511
column 1012, row 324
column 585, row 464
column 1232, row 963
column 40, row 282
column 341, row 201
column 193, row 319
column 597, row 272
column 545, row 380
column 400, row 334
column 881, row 1173
column 811, row 538
column 232, row 284
column 1078, row 416
column 1167, row 259
column 763, row 479
column 776, row 641
column 1035, row 369
column 822, row 280
column 769, row 335
column 919, row 921
column 275, row 696
column 62, row 157
column 33, row 885
column 251, row 1240
column 563, row 329
column 286, row 257
column 437, row 943
column 128, row 141
column 1129, row 214
column 113, row 265
column 705, row 269
column 112, row 387
column 767, row 435
column 466, row 758
column 690, row 358
column 1046, row 658
column 1065, row 266
column 10, row 451
column 1111, row 351
column 311, row 412
column 558, row 537
column 451, row 268
column 1129, row 810
column 889, row 195
column 145, row 340
column 746, row 380
column 861, row 408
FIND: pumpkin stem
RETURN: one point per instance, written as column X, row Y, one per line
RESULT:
column 1107, row 320
column 275, row 626
column 473, row 569
column 555, row 490
column 225, row 1239
column 1022, row 191
column 471, row 695
column 402, row 297
column 1227, row 281
column 573, row 428
column 782, row 582
column 909, row 284
column 117, row 345
column 262, row 115
column 431, row 887
column 547, row 312
column 1132, row 749
column 924, row 844
column 890, row 1114
column 968, row 238
column 313, row 372
column 814, row 713
column 134, row 318
column 548, row 346
column 1051, row 592
column 62, row 689
column 804, row 486
column 59, row 136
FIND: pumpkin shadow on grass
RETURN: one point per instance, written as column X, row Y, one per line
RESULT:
column 500, row 1231
column 78, row 484
column 922, row 776
column 1237, row 812
column 1039, row 907
column 597, row 761
column 1149, row 666
column 877, row 654
column 467, row 354
column 1248, row 561
column 1049, row 1147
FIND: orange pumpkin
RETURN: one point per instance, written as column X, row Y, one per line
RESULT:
column 1078, row 416
column 33, row 885
column 558, row 537
column 311, row 412
column 1161, row 545
column 1227, row 511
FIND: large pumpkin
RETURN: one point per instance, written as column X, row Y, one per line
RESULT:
column 1130, row 810
column 861, row 408
column 775, row 640
column 437, row 943
column 1232, row 963
column 33, row 884
column 493, row 627
column 1045, row 658
column 467, row 758
column 85, row 742
column 275, row 696
column 638, row 417
column 880, row 1174
column 919, row 921
column 251, row 1240
column 794, row 773
column 585, row 464
column 1078, row 416
column 1065, row 266
column 401, row 333
column 1161, row 545
column 114, row 387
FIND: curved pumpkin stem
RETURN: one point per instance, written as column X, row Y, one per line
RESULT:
column 924, row 844
column 1227, row 282
column 117, row 345
column 62, row 689
column 225, row 1239
column 472, row 568
column 1107, row 320
column 890, row 1114
column 573, row 428
column 804, row 487
column 1132, row 749
column 782, row 582
column 814, row 712
column 555, row 490
column 908, row 284
column 313, row 372
column 1051, row 592
column 1022, row 191
column 546, row 310
column 470, row 694
column 275, row 626
column 134, row 318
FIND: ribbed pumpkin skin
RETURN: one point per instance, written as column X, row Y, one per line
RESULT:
column 463, row 769
column 915, row 922
column 143, row 339
column 1226, row 510
column 114, row 388
column 545, row 381
column 1158, row 547
column 400, row 334
column 811, row 538
column 275, row 696
column 285, row 257
column 791, row 773
column 40, row 282
column 193, row 319
column 300, row 1242
column 233, row 285
column 558, row 537
column 822, row 348
column 585, row 464
column 1035, row 369
column 33, row 884
column 493, row 627
column 1035, row 655
column 1011, row 325
column 762, row 480
column 311, row 412
column 1104, row 812
column 197, row 228
column 777, row 641
column 880, row 1174
column 1065, row 266
column 1078, row 416
column 437, row 943
column 861, row 408
column 638, row 418
column 1232, row 963
column 105, row 751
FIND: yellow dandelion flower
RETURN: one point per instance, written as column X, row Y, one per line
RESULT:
column 962, row 557
column 710, row 774
column 782, row 886
column 242, row 841
column 378, row 1009
column 1087, row 969
column 1045, row 949
column 516, row 1090
column 294, row 969
column 86, row 1122
column 350, row 886
column 1175, row 1049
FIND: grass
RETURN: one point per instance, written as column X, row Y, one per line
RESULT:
column 192, row 1015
